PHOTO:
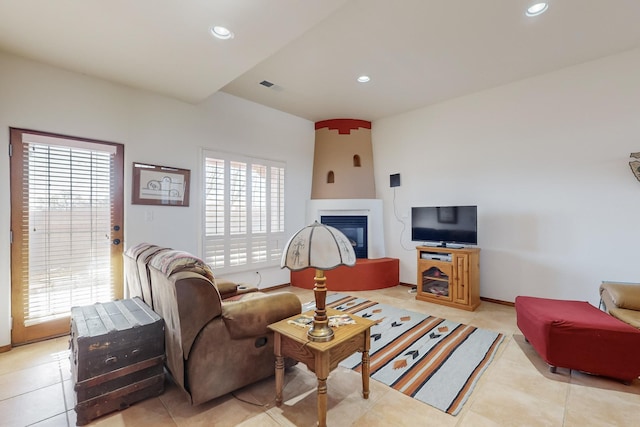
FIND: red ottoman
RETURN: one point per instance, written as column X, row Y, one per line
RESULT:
column 577, row 335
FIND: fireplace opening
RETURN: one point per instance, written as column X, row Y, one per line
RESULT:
column 352, row 226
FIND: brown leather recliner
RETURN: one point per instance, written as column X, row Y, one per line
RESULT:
column 137, row 280
column 213, row 346
column 136, row 273
column 622, row 300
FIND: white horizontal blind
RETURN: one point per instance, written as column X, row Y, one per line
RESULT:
column 259, row 213
column 67, row 205
column 244, row 212
column 276, row 213
column 237, row 202
column 214, row 212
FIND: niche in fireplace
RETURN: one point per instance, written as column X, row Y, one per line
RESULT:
column 352, row 226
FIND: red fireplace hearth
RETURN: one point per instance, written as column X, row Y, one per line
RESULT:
column 367, row 274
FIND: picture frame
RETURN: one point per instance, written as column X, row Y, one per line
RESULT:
column 159, row 185
column 448, row 215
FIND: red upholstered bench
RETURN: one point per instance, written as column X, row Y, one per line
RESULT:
column 577, row 335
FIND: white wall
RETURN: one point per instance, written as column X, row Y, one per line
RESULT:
column 546, row 161
column 155, row 130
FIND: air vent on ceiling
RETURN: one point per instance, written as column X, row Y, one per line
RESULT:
column 272, row 86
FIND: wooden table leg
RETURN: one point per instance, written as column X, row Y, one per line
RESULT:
column 365, row 363
column 365, row 374
column 279, row 367
column 322, row 402
column 322, row 373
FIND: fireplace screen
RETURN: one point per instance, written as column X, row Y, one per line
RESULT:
column 352, row 226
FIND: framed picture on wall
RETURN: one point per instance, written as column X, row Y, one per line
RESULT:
column 160, row 185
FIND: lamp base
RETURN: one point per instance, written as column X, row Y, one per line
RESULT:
column 320, row 333
column 320, row 330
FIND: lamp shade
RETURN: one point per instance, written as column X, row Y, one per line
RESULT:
column 318, row 246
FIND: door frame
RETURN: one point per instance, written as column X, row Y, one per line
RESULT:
column 21, row 334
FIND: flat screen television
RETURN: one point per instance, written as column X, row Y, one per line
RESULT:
column 457, row 225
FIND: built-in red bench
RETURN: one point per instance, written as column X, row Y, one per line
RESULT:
column 577, row 335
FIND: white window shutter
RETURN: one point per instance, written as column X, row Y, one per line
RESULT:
column 243, row 211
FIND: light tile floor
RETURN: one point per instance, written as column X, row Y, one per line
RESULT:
column 516, row 390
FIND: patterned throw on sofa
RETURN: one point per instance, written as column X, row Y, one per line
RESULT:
column 172, row 261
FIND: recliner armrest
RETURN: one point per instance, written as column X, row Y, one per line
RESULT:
column 187, row 301
column 226, row 288
column 250, row 317
column 229, row 289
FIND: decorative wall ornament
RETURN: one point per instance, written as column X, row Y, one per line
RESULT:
column 159, row 185
column 635, row 165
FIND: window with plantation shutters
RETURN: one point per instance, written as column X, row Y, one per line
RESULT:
column 243, row 212
column 66, row 197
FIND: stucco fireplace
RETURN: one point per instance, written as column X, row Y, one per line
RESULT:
column 372, row 270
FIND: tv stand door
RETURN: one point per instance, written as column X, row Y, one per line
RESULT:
column 461, row 278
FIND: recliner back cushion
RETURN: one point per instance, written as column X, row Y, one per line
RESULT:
column 173, row 261
column 624, row 295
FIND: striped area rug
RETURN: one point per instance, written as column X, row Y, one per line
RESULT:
column 430, row 359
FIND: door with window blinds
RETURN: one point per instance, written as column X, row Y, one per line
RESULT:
column 66, row 225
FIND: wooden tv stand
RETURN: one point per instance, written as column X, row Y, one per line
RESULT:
column 449, row 276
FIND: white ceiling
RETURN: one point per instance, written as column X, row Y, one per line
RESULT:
column 417, row 52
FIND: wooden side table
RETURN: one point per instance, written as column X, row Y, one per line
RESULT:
column 321, row 357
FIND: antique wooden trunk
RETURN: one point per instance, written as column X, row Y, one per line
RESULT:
column 117, row 355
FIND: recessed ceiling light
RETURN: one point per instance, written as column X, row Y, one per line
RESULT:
column 537, row 9
column 364, row 79
column 221, row 32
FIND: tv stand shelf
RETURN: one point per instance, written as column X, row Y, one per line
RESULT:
column 449, row 276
